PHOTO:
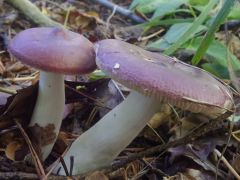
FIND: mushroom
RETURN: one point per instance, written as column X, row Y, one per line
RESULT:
column 154, row 79
column 55, row 52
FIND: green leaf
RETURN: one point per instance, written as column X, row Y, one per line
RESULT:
column 149, row 6
column 222, row 14
column 198, row 2
column 174, row 34
column 97, row 74
column 160, row 44
column 235, row 12
column 177, row 30
column 217, row 70
column 216, row 54
column 159, row 22
column 192, row 29
column 136, row 3
column 167, row 7
column 159, row 7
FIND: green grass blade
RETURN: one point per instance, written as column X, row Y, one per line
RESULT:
column 209, row 36
column 159, row 22
column 201, row 18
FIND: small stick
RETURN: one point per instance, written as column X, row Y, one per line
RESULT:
column 120, row 10
column 64, row 166
column 8, row 91
column 150, row 36
column 67, row 17
column 72, row 164
column 36, row 159
column 224, row 160
column 118, row 89
column 110, row 17
column 17, row 79
column 32, row 12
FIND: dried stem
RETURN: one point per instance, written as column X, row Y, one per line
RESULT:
column 32, row 12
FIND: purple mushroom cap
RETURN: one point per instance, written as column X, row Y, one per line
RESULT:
column 54, row 50
column 162, row 77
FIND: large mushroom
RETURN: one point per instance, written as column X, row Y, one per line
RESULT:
column 55, row 52
column 154, row 79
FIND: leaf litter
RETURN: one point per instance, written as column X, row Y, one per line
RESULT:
column 87, row 101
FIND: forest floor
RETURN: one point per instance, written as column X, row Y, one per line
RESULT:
column 172, row 147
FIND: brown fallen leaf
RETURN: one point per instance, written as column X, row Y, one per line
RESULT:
column 64, row 139
column 236, row 163
column 16, row 66
column 97, row 175
column 19, row 106
column 129, row 34
column 83, row 21
column 191, row 174
column 16, row 150
column 37, row 162
column 161, row 117
column 236, row 135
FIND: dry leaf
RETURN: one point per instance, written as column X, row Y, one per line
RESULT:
column 236, row 135
column 19, row 106
column 191, row 174
column 236, row 163
column 131, row 33
column 16, row 67
column 97, row 175
column 187, row 124
column 83, row 21
column 16, row 150
column 161, row 117
column 63, row 140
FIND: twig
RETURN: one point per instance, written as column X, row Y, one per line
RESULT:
column 155, row 132
column 67, row 17
column 118, row 89
column 8, row 91
column 231, row 123
column 120, row 10
column 96, row 101
column 224, row 160
column 55, row 4
column 17, row 79
column 110, row 17
column 54, row 164
column 201, row 131
column 36, row 160
column 32, row 12
column 64, row 166
column 150, row 36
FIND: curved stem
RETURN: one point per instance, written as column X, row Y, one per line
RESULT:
column 48, row 111
column 101, row 144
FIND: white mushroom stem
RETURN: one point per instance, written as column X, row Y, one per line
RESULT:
column 101, row 144
column 49, row 106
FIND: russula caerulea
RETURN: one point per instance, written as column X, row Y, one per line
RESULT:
column 154, row 79
column 55, row 52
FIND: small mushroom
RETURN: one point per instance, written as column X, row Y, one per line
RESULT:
column 55, row 52
column 154, row 79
